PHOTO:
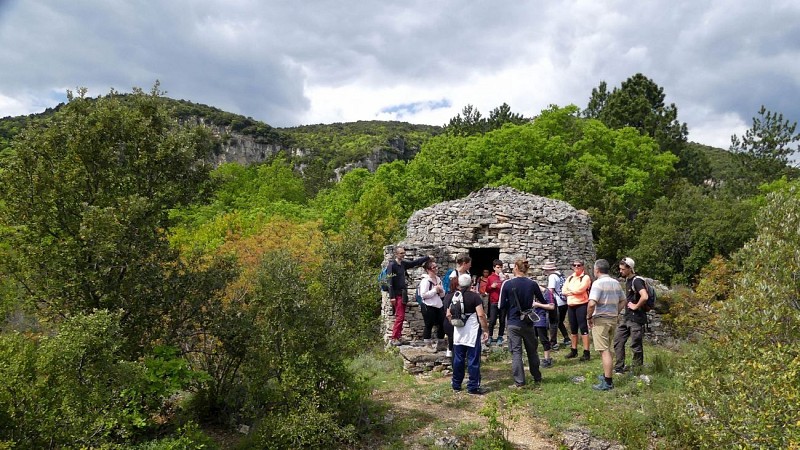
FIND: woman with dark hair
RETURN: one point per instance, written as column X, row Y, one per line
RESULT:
column 493, row 286
column 432, row 292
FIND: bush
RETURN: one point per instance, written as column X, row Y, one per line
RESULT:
column 76, row 389
column 742, row 385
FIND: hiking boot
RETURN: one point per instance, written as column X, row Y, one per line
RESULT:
column 479, row 391
column 586, row 356
column 573, row 353
column 603, row 386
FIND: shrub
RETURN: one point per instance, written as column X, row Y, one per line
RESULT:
column 742, row 385
column 75, row 388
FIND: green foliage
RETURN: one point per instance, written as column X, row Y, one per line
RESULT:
column 285, row 344
column 188, row 437
column 76, row 387
column 684, row 232
column 639, row 103
column 470, row 121
column 742, row 385
column 340, row 143
column 765, row 149
column 87, row 197
column 499, row 413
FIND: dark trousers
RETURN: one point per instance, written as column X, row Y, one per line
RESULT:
column 517, row 338
column 433, row 317
column 628, row 328
column 472, row 357
column 494, row 314
column 541, row 332
column 557, row 324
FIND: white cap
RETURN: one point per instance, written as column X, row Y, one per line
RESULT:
column 464, row 280
column 628, row 262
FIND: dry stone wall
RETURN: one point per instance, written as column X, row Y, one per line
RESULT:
column 518, row 225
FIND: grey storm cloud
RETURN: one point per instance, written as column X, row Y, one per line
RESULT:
column 282, row 61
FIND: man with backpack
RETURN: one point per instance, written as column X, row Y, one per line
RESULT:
column 450, row 281
column 467, row 315
column 634, row 320
column 398, row 289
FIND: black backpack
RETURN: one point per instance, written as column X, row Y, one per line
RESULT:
column 651, row 293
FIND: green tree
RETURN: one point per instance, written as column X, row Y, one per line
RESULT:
column 468, row 122
column 682, row 233
column 742, row 386
column 503, row 115
column 87, row 196
column 765, row 149
column 639, row 103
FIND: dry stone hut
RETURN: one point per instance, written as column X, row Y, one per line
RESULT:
column 492, row 223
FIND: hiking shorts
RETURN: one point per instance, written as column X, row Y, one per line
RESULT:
column 603, row 332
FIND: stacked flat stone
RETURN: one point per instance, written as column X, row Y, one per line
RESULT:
column 519, row 225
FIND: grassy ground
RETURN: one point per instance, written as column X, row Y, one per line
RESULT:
column 413, row 411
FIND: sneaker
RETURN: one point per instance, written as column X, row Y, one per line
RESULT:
column 555, row 347
column 619, row 373
column 479, row 391
column 603, row 386
column 394, row 342
column 448, row 354
column 548, row 362
column 566, row 342
column 500, row 341
column 516, row 386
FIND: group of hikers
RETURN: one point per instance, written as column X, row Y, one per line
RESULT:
column 466, row 310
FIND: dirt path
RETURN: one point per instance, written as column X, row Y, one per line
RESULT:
column 440, row 410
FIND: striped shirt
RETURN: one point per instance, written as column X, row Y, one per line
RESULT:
column 608, row 295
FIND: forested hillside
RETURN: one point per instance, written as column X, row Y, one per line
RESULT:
column 144, row 292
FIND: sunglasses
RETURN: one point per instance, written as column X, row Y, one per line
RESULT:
column 577, row 265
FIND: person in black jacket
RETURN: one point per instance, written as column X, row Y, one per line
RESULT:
column 398, row 289
column 519, row 294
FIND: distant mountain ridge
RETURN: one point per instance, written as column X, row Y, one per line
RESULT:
column 334, row 148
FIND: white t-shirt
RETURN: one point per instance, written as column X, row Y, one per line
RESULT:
column 552, row 281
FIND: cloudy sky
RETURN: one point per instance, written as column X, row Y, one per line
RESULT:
column 308, row 61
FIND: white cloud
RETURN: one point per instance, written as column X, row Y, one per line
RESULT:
column 290, row 63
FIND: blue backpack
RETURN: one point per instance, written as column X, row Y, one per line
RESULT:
column 446, row 280
column 383, row 277
column 418, row 295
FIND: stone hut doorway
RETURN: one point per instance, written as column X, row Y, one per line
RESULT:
column 482, row 259
column 492, row 223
